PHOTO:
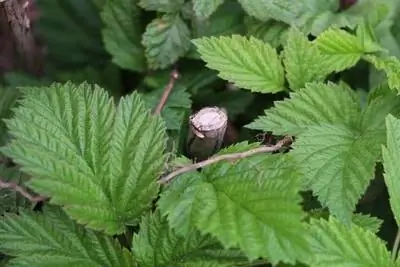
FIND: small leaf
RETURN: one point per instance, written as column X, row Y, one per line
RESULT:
column 166, row 39
column 334, row 244
column 157, row 244
column 391, row 157
column 367, row 222
column 343, row 49
column 303, row 61
column 51, row 238
column 167, row 6
column 229, row 202
column 204, row 8
column 391, row 66
column 121, row 34
column 316, row 104
column 249, row 63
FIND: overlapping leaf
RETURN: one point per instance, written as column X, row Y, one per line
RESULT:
column 166, row 39
column 122, row 35
column 252, row 204
column 168, row 6
column 391, row 66
column 283, row 10
column 249, row 63
column 51, row 238
column 316, row 104
column 99, row 161
column 391, row 157
column 334, row 244
column 338, row 163
column 271, row 31
column 71, row 30
column 342, row 49
column 8, row 97
column 337, row 143
column 204, row 8
column 303, row 61
column 158, row 245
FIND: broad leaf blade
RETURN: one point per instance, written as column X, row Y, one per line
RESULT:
column 254, row 208
column 391, row 67
column 77, row 147
column 157, row 244
column 316, row 104
column 166, row 39
column 136, row 158
column 51, row 238
column 338, row 164
column 303, row 61
column 335, row 244
column 249, row 63
column 391, row 159
column 121, row 34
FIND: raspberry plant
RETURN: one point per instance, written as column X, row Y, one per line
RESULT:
column 94, row 152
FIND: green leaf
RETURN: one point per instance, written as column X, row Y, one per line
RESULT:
column 271, row 31
column 390, row 162
column 122, row 34
column 71, row 30
column 229, row 202
column 283, row 10
column 167, row 6
column 338, row 163
column 342, row 49
column 204, row 8
column 176, row 107
column 334, row 244
column 10, row 200
column 249, row 63
column 367, row 222
column 303, row 61
column 166, row 39
column 391, row 66
column 52, row 239
column 8, row 99
column 100, row 161
column 316, row 104
column 157, row 244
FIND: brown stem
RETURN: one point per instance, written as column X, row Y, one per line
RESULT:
column 234, row 156
column 15, row 187
column 167, row 91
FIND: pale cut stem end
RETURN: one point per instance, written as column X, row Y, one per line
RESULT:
column 206, row 133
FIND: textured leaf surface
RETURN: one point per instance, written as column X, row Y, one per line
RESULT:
column 168, row 6
column 158, row 245
column 249, row 63
column 10, row 200
column 122, row 34
column 335, row 244
column 52, row 239
column 303, row 61
column 166, row 39
column 204, row 8
column 284, row 10
column 252, row 204
column 99, row 161
column 338, row 164
column 316, row 104
column 343, row 50
column 391, row 157
column 391, row 67
column 271, row 31
column 367, row 222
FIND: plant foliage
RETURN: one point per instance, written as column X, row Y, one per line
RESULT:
column 85, row 146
